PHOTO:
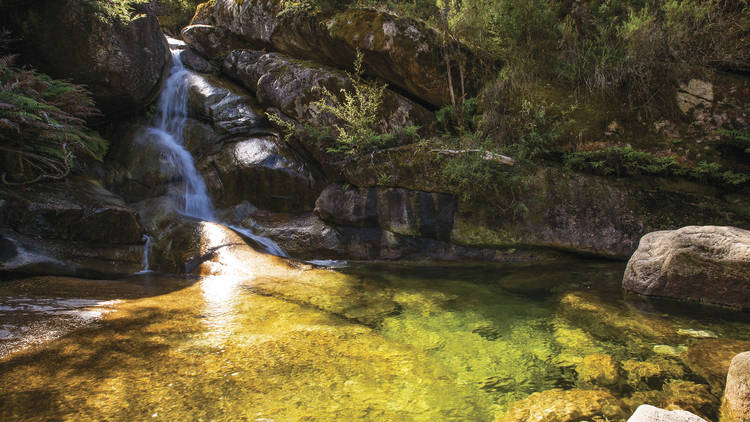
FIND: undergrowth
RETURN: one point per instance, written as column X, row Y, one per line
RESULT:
column 43, row 125
column 626, row 161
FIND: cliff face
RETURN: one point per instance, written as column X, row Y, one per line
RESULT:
column 403, row 199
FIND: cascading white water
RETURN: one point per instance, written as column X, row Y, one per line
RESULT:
column 167, row 134
column 146, row 249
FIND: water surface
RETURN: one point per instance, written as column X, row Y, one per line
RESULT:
column 420, row 342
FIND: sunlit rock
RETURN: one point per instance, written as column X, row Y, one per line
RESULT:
column 647, row 413
column 707, row 264
column 736, row 406
column 265, row 171
column 651, row 374
column 608, row 321
column 293, row 86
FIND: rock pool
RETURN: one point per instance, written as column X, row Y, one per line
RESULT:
column 385, row 341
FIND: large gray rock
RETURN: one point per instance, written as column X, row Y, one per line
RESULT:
column 708, row 264
column 648, row 413
column 75, row 227
column 212, row 42
column 263, row 170
column 228, row 108
column 401, row 211
column 737, row 392
column 293, row 86
column 241, row 158
column 78, row 209
column 121, row 61
column 401, row 51
column 21, row 254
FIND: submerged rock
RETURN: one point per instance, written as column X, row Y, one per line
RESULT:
column 678, row 395
column 565, row 406
column 121, row 61
column 707, row 264
column 737, row 393
column 648, row 413
column 599, row 369
column 609, row 321
column 710, row 359
column 646, row 375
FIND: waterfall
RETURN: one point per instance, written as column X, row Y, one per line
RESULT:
column 167, row 133
column 146, row 248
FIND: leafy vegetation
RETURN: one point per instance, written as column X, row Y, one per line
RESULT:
column 358, row 111
column 114, row 10
column 43, row 125
column 626, row 161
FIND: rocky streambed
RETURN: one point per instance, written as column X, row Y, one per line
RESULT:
column 371, row 341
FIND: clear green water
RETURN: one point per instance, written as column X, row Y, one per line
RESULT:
column 383, row 342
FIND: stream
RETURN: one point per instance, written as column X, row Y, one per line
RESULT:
column 382, row 341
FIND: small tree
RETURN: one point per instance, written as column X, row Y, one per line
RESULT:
column 357, row 112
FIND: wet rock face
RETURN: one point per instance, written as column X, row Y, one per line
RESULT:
column 292, row 86
column 121, row 63
column 77, row 209
column 74, row 227
column 21, row 254
column 737, row 392
column 266, row 172
column 565, row 406
column 402, row 211
column 709, row 264
column 401, row 51
column 647, row 413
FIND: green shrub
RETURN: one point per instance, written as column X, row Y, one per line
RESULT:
column 358, row 112
column 627, row 161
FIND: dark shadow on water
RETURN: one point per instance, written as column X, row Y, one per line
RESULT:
column 50, row 384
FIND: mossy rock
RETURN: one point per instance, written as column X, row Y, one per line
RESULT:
column 599, row 369
column 122, row 61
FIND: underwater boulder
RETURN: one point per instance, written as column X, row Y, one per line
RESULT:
column 710, row 359
column 599, row 369
column 565, row 406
